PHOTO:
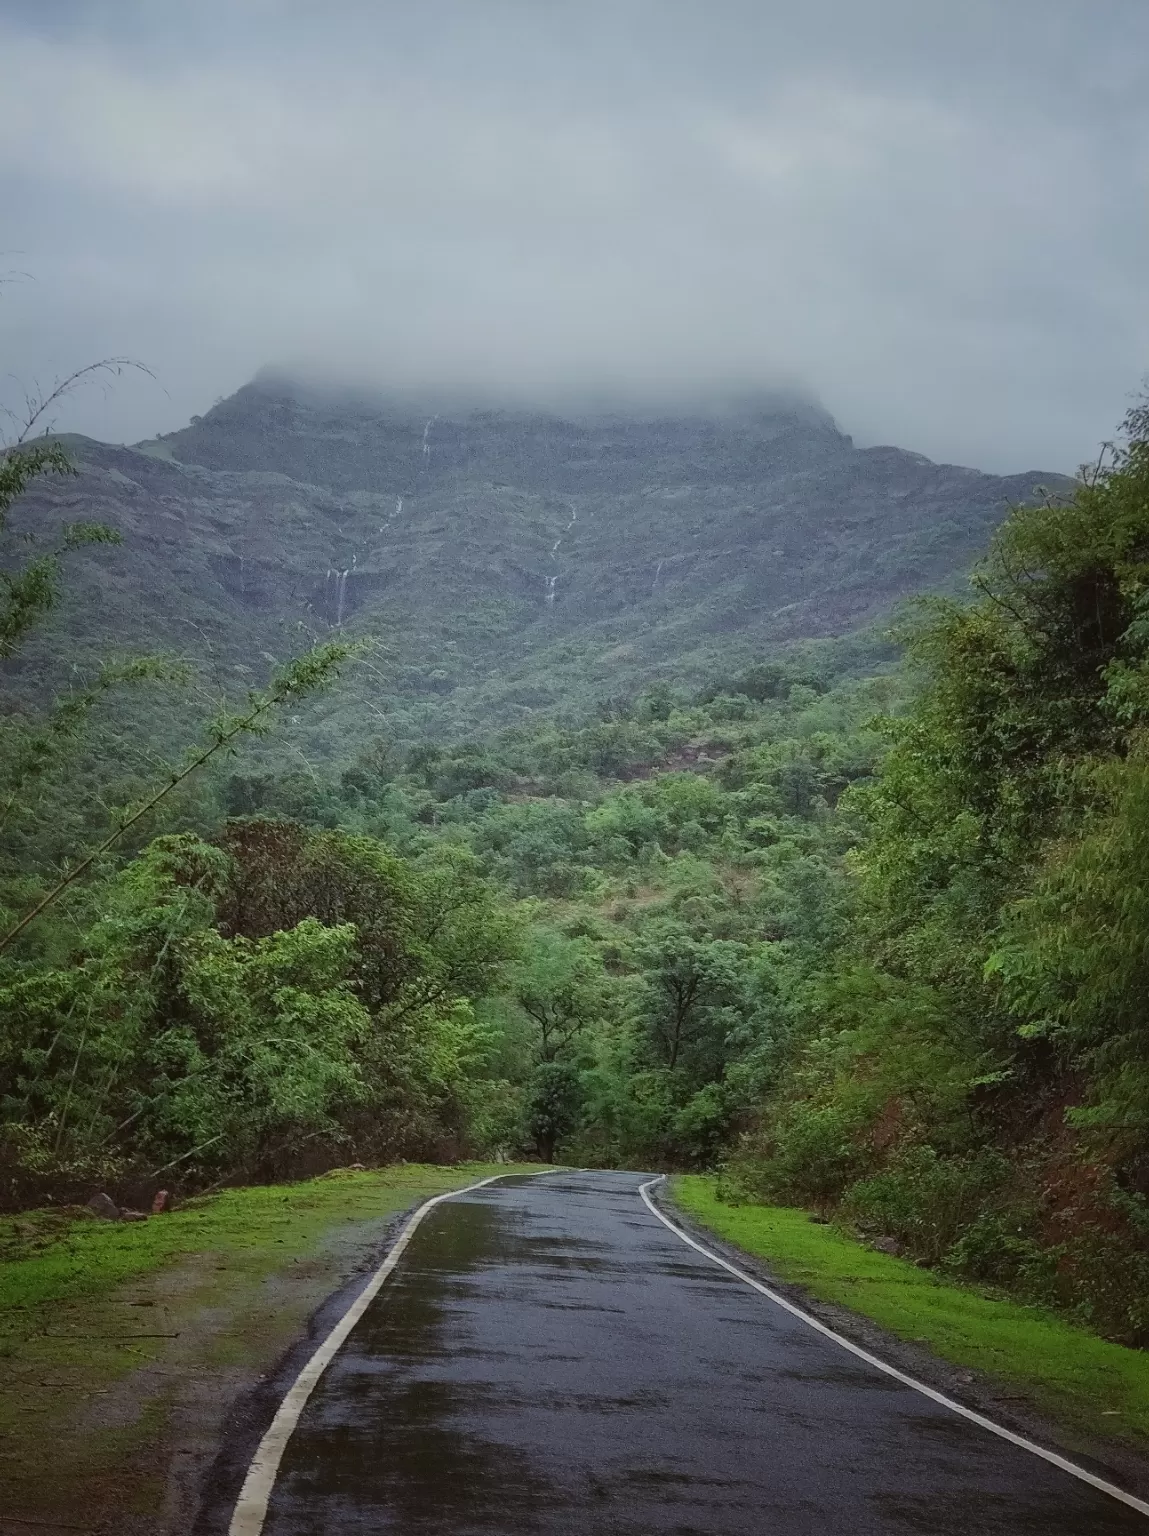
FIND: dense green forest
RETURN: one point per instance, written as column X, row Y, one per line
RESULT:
column 870, row 938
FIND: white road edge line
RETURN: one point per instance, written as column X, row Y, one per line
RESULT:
column 251, row 1507
column 918, row 1386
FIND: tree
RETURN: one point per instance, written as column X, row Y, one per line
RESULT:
column 561, row 986
column 1073, row 962
column 551, row 1105
column 693, row 985
column 227, row 1006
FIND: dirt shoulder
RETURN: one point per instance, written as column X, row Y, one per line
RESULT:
column 1025, row 1368
column 128, row 1349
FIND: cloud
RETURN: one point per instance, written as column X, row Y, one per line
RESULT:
column 931, row 214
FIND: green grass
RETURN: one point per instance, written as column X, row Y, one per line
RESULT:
column 107, row 1327
column 48, row 1256
column 1084, row 1381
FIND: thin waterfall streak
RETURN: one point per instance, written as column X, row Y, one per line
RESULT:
column 338, row 598
column 552, row 580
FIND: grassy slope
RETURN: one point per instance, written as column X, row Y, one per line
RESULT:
column 1085, row 1382
column 122, row 1345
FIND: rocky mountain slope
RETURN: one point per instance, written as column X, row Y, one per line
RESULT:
column 506, row 561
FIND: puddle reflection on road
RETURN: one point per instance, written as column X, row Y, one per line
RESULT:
column 541, row 1361
column 388, row 1446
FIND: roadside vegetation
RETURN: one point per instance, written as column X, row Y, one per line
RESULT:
column 123, row 1345
column 1021, row 1353
column 868, row 937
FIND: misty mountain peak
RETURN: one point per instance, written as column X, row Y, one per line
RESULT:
column 513, row 554
column 392, row 440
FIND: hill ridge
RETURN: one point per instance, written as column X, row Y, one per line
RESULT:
column 509, row 562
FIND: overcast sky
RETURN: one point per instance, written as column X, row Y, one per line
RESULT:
column 935, row 214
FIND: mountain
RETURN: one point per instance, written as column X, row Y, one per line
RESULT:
column 507, row 560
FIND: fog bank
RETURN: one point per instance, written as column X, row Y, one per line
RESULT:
column 932, row 218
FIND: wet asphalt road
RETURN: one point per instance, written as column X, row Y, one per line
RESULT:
column 549, row 1358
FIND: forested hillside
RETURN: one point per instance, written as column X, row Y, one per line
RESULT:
column 504, row 564
column 868, row 936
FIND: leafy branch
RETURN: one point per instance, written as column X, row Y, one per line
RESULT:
column 304, row 676
column 29, row 752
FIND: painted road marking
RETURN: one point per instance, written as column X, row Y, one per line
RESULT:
column 251, row 1507
column 890, row 1370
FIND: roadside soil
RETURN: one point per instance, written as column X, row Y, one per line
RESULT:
column 115, row 1397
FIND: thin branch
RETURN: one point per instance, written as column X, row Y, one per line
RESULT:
column 293, row 681
column 184, row 1156
column 38, row 407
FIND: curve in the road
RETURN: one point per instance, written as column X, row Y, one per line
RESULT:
column 250, row 1511
column 548, row 1358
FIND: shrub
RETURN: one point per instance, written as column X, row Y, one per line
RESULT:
column 814, row 1156
column 998, row 1247
column 926, row 1201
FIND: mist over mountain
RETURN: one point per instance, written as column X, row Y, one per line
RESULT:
column 509, row 560
column 873, row 198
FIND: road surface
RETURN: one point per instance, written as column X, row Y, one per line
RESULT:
column 549, row 1358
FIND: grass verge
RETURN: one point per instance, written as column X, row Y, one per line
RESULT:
column 1085, row 1382
column 122, row 1345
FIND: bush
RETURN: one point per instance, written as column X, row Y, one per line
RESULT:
column 814, row 1156
column 998, row 1248
column 701, row 1126
column 926, row 1201
column 1106, row 1282
column 551, row 1105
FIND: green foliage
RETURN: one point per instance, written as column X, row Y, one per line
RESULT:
column 971, row 1076
column 1072, row 959
column 551, row 1105
column 874, row 944
column 203, row 980
column 560, row 984
column 193, row 1028
column 267, row 1048
column 692, row 990
column 700, row 1128
column 931, row 1203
